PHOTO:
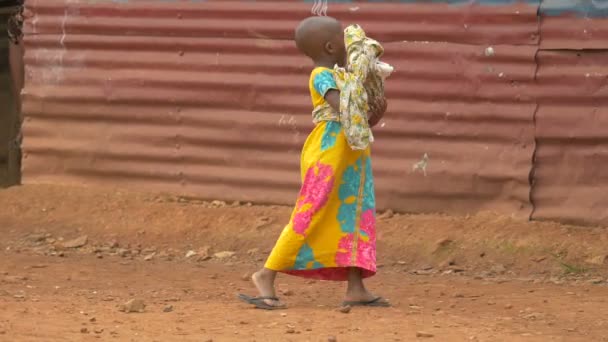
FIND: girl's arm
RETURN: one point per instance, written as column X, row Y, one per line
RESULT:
column 377, row 109
column 332, row 97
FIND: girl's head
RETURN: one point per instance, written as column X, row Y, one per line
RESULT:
column 322, row 39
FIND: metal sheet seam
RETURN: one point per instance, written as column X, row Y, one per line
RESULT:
column 532, row 175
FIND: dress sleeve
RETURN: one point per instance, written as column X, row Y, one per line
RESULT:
column 323, row 82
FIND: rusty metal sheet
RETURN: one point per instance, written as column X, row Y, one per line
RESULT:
column 574, row 24
column 473, row 22
column 210, row 99
column 570, row 181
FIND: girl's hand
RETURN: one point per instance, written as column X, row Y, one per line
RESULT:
column 377, row 110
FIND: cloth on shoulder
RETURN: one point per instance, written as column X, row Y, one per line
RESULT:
column 360, row 83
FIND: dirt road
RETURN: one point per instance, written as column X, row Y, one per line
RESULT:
column 77, row 298
column 71, row 258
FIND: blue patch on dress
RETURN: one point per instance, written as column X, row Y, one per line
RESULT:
column 369, row 195
column 347, row 213
column 305, row 257
column 332, row 129
column 323, row 82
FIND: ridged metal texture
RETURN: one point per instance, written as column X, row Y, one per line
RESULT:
column 210, row 99
column 574, row 24
column 572, row 132
column 571, row 122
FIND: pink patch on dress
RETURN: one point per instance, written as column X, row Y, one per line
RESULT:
column 318, row 183
column 366, row 245
column 345, row 247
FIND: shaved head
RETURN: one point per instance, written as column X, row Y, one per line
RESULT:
column 313, row 34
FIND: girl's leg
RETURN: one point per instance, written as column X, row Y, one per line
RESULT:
column 264, row 282
column 355, row 290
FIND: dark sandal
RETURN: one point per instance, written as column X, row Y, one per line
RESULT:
column 376, row 302
column 259, row 302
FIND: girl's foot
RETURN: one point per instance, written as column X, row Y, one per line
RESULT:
column 359, row 295
column 264, row 282
column 364, row 298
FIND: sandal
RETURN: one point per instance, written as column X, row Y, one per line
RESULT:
column 260, row 302
column 376, row 302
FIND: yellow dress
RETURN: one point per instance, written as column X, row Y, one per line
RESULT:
column 332, row 227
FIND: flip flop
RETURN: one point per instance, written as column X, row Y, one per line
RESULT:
column 376, row 302
column 259, row 302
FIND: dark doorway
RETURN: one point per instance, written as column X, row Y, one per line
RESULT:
column 10, row 86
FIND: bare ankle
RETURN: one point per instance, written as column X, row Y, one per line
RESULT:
column 264, row 274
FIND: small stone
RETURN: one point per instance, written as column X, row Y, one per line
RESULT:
column 224, row 255
column 218, row 204
column 168, row 308
column 597, row 260
column 345, row 309
column 596, row 281
column 84, row 330
column 77, row 242
column 134, row 305
column 262, row 222
column 443, row 243
column 423, row 334
column 92, row 319
column 287, row 292
column 291, row 331
column 190, row 254
column 332, row 339
column 123, row 252
column 386, row 215
column 253, row 251
column 533, row 316
column 98, row 330
column 498, row 269
column 149, row 256
column 509, row 306
column 539, row 259
column 36, row 237
column 13, row 279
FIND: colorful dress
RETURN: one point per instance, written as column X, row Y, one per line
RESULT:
column 332, row 227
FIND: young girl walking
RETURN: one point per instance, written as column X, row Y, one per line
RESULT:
column 331, row 234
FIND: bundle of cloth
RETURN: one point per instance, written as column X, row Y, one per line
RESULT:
column 360, row 83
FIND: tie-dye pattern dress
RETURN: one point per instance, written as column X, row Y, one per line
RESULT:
column 332, row 227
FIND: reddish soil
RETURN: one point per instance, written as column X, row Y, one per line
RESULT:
column 72, row 256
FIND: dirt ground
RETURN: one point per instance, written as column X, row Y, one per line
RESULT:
column 72, row 257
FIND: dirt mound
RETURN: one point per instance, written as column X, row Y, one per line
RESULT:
column 164, row 226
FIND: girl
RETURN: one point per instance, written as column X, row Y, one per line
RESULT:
column 331, row 234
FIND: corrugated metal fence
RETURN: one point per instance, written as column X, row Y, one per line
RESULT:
column 210, row 99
